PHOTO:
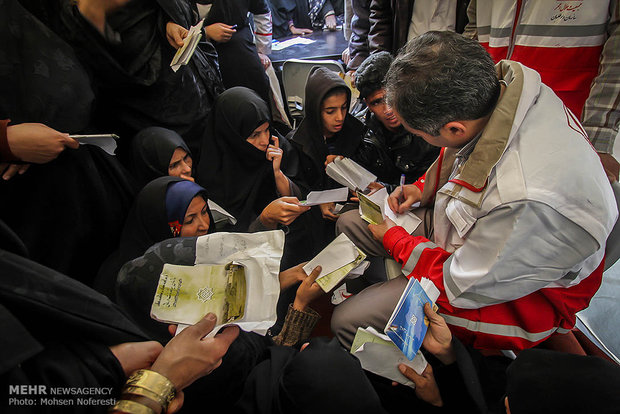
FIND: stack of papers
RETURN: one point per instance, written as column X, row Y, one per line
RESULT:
column 275, row 45
column 408, row 324
column 185, row 52
column 375, row 208
column 337, row 260
column 347, row 172
column 380, row 356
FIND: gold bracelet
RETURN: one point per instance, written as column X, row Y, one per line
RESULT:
column 160, row 399
column 155, row 383
column 131, row 407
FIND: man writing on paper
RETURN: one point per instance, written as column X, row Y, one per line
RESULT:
column 522, row 206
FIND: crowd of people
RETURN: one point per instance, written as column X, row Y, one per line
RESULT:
column 492, row 122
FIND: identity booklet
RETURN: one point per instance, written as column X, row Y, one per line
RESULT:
column 337, row 260
column 347, row 172
column 186, row 293
column 408, row 324
column 185, row 52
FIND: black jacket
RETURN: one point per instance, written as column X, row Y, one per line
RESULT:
column 388, row 155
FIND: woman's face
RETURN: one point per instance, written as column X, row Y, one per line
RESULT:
column 260, row 137
column 196, row 221
column 333, row 112
column 180, row 164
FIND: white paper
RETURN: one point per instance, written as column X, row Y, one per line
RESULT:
column 341, row 251
column 260, row 253
column 408, row 221
column 383, row 358
column 290, row 42
column 219, row 214
column 431, row 290
column 359, row 270
column 349, row 173
column 106, row 144
column 328, row 196
column 185, row 52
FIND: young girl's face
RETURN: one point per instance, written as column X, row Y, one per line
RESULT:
column 196, row 221
column 333, row 111
column 260, row 137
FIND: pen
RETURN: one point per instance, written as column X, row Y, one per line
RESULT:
column 402, row 187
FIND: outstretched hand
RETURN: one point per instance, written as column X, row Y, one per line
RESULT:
column 299, row 31
column 283, row 210
column 308, row 290
column 37, row 143
column 220, row 32
column 327, row 211
column 189, row 355
column 425, row 385
column 175, row 34
column 291, row 276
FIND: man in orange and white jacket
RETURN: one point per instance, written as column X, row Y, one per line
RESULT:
column 521, row 205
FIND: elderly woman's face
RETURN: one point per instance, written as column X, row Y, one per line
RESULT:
column 180, row 164
column 196, row 221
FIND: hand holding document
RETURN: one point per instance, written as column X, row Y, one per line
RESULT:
column 337, row 260
column 407, row 325
column 185, row 52
column 374, row 209
column 380, row 356
column 186, row 293
column 328, row 196
column 347, row 172
column 235, row 276
column 106, row 142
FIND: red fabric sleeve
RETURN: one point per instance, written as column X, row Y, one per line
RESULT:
column 516, row 324
column 420, row 182
column 5, row 151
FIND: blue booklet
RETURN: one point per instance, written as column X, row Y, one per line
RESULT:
column 407, row 325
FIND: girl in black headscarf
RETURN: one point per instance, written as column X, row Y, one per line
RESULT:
column 327, row 127
column 247, row 174
column 245, row 168
column 166, row 207
column 327, row 131
column 158, row 152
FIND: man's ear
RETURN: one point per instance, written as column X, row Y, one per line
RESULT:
column 455, row 129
